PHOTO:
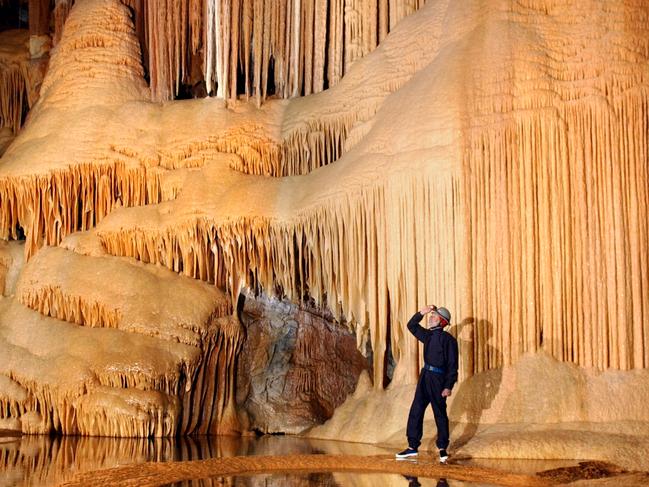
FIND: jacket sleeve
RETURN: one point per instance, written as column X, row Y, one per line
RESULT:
column 450, row 377
column 415, row 328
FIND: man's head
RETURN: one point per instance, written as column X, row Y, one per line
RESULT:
column 439, row 317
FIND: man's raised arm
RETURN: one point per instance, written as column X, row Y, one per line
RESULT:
column 415, row 328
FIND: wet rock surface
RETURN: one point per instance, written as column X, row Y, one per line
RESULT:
column 297, row 365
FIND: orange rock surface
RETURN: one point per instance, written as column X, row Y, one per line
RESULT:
column 489, row 156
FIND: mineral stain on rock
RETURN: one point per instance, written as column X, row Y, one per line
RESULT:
column 296, row 366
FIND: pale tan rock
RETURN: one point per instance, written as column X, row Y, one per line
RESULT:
column 537, row 408
column 12, row 259
column 536, row 390
column 113, row 292
column 51, row 359
column 489, row 156
column 84, row 243
column 163, row 369
column 628, row 449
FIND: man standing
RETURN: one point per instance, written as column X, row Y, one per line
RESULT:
column 436, row 380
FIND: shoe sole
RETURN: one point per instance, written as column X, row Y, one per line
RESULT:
column 409, row 455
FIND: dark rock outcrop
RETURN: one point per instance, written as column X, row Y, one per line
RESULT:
column 297, row 365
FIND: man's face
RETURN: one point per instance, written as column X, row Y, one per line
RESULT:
column 433, row 319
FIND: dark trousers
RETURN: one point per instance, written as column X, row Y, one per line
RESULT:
column 429, row 391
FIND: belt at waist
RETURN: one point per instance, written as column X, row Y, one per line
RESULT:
column 437, row 370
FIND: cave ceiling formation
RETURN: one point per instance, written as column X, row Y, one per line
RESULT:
column 490, row 156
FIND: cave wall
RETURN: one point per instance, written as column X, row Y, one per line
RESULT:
column 487, row 156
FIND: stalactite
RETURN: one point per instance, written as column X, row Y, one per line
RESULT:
column 353, row 32
column 50, row 301
column 335, row 41
column 257, row 46
column 53, row 206
column 268, row 252
column 192, row 398
column 266, row 52
column 60, row 15
column 54, row 401
column 246, row 40
column 295, row 34
column 12, row 95
column 530, row 260
column 98, row 188
column 14, row 399
column 529, row 229
column 172, row 31
column 62, row 293
column 13, row 90
column 553, row 222
column 196, row 24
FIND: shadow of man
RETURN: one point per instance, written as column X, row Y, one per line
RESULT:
column 481, row 362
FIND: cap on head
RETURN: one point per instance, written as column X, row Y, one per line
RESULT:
column 444, row 314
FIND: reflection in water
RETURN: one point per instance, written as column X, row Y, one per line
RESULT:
column 47, row 461
column 321, row 480
column 44, row 460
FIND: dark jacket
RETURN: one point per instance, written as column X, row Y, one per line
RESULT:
column 440, row 348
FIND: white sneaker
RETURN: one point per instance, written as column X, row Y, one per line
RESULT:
column 443, row 456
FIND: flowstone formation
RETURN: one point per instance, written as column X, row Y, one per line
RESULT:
column 490, row 156
column 154, row 366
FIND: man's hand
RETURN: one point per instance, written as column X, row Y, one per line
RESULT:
column 446, row 393
column 427, row 309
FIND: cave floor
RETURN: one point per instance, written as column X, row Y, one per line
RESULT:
column 271, row 460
